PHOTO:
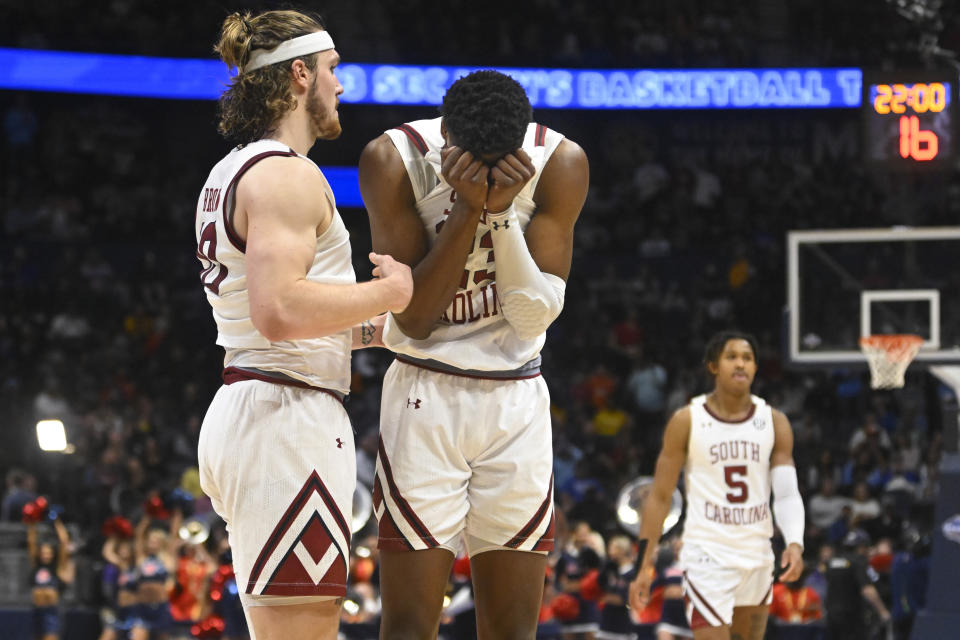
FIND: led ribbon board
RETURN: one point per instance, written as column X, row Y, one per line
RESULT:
column 197, row 79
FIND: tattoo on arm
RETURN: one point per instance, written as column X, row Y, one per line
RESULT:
column 736, row 636
column 367, row 331
column 758, row 625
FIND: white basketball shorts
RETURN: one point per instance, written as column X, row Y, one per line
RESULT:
column 466, row 455
column 711, row 591
column 279, row 466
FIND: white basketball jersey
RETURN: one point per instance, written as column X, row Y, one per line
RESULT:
column 727, row 479
column 322, row 362
column 472, row 334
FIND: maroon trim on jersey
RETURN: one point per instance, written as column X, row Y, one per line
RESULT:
column 232, row 234
column 463, row 374
column 235, row 374
column 545, row 543
column 695, row 618
column 313, row 485
column 405, row 509
column 753, row 410
column 534, row 522
column 540, row 137
column 415, row 138
column 389, row 537
column 712, row 611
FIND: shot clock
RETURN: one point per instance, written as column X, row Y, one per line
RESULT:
column 909, row 119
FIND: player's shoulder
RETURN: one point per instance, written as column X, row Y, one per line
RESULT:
column 417, row 138
column 779, row 417
column 680, row 422
column 569, row 153
column 565, row 174
column 280, row 178
column 380, row 151
column 273, row 171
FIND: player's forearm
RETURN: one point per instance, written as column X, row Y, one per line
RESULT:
column 437, row 276
column 655, row 510
column 787, row 503
column 531, row 299
column 305, row 310
column 369, row 333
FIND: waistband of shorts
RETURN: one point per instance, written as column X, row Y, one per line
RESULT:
column 529, row 370
column 239, row 374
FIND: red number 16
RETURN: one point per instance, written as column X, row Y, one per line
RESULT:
column 912, row 136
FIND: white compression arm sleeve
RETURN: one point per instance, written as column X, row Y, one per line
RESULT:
column 530, row 299
column 787, row 503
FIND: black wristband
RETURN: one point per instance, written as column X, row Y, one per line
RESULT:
column 641, row 550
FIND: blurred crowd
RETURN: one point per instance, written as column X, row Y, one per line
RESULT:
column 607, row 33
column 104, row 325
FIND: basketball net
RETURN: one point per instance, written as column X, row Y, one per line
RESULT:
column 889, row 356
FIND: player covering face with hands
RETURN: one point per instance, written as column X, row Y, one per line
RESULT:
column 481, row 203
column 733, row 449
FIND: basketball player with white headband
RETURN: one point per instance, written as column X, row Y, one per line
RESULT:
column 276, row 448
column 734, row 449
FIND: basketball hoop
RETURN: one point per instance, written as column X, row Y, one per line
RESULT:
column 889, row 356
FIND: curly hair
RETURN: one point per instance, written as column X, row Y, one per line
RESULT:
column 487, row 112
column 719, row 340
column 255, row 101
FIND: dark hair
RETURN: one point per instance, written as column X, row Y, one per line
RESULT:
column 487, row 112
column 719, row 340
column 255, row 101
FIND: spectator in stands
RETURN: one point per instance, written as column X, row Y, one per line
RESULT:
column 194, row 569
column 577, row 559
column 672, row 623
column 907, row 450
column 646, row 388
column 795, row 603
column 611, row 425
column 869, row 436
column 817, row 578
column 21, row 490
column 850, row 581
column 614, row 580
column 825, row 507
column 863, row 506
column 908, row 581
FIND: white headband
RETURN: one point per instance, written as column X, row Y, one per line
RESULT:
column 289, row 49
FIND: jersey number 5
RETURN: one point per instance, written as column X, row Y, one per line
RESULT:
column 734, row 475
column 213, row 272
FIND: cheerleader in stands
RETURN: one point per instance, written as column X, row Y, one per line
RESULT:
column 52, row 569
column 122, row 582
column 156, row 556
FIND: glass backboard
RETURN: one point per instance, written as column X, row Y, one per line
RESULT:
column 844, row 284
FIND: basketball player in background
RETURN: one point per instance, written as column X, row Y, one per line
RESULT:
column 733, row 448
column 482, row 203
column 276, row 447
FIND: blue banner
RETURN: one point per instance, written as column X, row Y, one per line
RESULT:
column 196, row 79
